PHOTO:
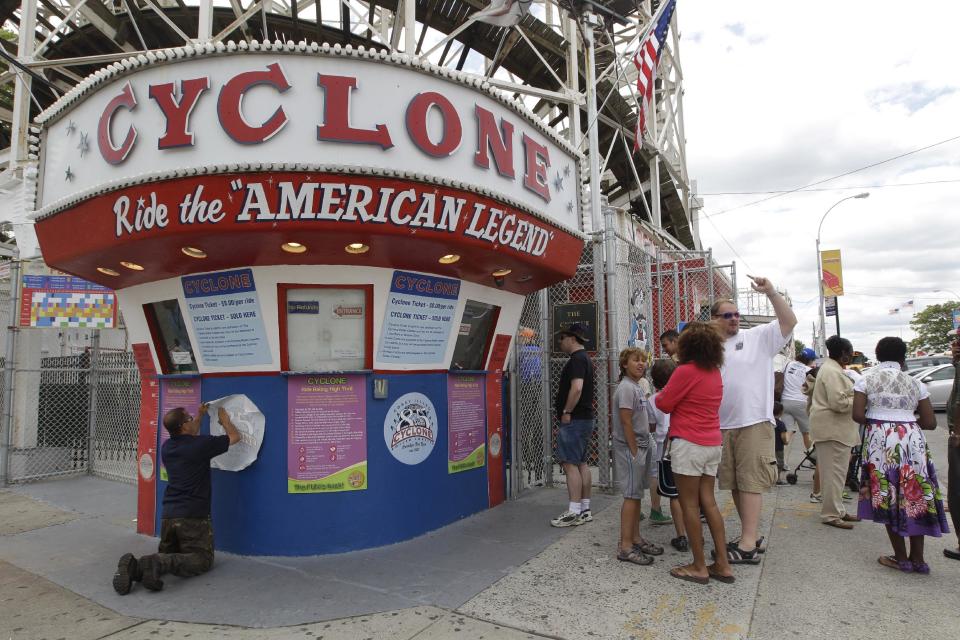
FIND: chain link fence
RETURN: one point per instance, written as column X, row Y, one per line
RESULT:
column 650, row 290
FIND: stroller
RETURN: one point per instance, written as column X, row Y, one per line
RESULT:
column 809, row 461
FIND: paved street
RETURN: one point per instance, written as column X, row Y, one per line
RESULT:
column 500, row 574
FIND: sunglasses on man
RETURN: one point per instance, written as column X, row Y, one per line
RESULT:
column 728, row 315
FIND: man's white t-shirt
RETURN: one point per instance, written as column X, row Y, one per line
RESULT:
column 748, row 376
column 794, row 375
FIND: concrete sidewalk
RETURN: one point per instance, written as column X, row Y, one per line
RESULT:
column 504, row 573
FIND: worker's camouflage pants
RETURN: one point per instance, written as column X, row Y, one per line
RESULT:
column 186, row 546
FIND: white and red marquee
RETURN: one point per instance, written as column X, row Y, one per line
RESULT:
column 237, row 152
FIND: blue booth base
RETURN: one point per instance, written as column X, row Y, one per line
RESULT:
column 253, row 513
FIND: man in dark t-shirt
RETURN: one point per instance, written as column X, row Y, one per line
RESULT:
column 186, row 532
column 574, row 407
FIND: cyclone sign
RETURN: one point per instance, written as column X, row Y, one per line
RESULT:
column 410, row 429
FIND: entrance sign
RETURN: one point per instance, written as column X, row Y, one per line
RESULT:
column 226, row 318
column 213, row 108
column 417, row 320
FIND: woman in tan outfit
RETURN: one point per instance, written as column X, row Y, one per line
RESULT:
column 834, row 431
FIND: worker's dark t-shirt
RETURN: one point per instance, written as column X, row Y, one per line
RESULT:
column 578, row 366
column 187, row 459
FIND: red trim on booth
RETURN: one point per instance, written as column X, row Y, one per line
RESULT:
column 496, row 483
column 149, row 224
column 283, row 287
column 147, row 439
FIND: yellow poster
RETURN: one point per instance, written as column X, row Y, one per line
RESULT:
column 832, row 276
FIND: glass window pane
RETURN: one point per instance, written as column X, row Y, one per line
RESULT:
column 326, row 329
column 473, row 337
column 170, row 332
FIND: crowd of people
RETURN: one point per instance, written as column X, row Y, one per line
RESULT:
column 720, row 413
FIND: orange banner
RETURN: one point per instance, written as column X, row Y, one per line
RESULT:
column 832, row 273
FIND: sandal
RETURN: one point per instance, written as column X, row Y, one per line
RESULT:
column 736, row 555
column 680, row 574
column 761, row 548
column 635, row 557
column 680, row 543
column 719, row 576
column 648, row 548
column 922, row 568
column 892, row 563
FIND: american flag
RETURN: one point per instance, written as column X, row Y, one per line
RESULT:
column 646, row 59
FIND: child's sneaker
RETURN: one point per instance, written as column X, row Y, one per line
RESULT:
column 658, row 518
column 846, row 496
column 566, row 519
column 585, row 516
column 680, row 543
column 816, row 497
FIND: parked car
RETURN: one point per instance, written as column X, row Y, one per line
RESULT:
column 939, row 380
column 926, row 361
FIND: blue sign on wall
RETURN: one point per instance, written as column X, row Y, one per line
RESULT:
column 417, row 319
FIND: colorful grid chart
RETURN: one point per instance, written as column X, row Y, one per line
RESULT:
column 72, row 310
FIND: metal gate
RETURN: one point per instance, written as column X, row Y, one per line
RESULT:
column 652, row 291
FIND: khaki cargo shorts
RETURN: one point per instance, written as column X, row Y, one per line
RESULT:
column 749, row 461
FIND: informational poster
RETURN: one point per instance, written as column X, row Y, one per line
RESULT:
column 830, row 306
column 326, row 433
column 417, row 319
column 956, row 318
column 66, row 301
column 410, row 428
column 226, row 318
column 177, row 392
column 466, row 423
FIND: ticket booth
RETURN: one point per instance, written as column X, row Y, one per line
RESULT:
column 343, row 237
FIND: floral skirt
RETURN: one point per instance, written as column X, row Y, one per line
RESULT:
column 898, row 485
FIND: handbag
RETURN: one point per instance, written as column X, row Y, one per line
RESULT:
column 666, row 486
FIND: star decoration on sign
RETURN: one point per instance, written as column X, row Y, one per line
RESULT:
column 570, row 206
column 566, row 171
column 84, row 145
column 69, row 175
column 71, row 127
column 558, row 182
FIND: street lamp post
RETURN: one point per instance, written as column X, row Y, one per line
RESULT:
column 823, row 319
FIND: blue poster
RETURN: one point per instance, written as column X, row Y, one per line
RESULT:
column 419, row 314
column 226, row 318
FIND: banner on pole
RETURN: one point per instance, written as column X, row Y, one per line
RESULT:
column 832, row 273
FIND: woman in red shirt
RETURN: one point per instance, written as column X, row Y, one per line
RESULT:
column 692, row 398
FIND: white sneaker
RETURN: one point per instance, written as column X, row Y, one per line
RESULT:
column 566, row 519
column 816, row 497
column 586, row 516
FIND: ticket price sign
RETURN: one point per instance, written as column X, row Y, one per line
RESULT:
column 326, row 433
column 417, row 319
column 226, row 317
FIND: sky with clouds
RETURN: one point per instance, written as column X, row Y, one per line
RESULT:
column 782, row 95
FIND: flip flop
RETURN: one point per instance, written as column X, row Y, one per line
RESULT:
column 648, row 548
column 892, row 563
column 720, row 577
column 953, row 554
column 688, row 577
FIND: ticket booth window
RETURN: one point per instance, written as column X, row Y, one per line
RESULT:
column 170, row 337
column 325, row 328
column 474, row 334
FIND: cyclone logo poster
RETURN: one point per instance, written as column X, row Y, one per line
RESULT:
column 410, row 428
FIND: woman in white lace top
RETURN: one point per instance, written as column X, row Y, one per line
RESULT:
column 899, row 486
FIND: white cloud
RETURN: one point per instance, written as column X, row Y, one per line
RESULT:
column 781, row 95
